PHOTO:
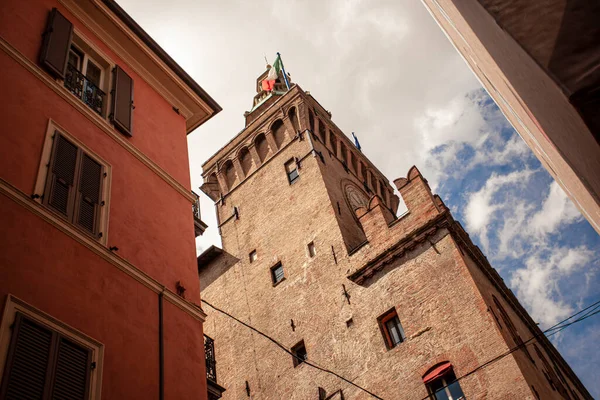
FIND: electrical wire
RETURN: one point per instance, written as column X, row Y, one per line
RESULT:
column 592, row 310
column 300, row 359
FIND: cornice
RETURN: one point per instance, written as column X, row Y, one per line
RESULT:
column 14, row 194
column 94, row 118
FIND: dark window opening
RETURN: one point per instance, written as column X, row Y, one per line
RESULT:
column 349, row 323
column 277, row 273
column 299, row 352
column 291, row 168
column 311, row 249
column 391, row 328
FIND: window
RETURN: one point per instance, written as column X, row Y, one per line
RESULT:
column 45, row 358
column 277, row 273
column 252, row 256
column 86, row 77
column 442, row 384
column 311, row 249
column 72, row 183
column 391, row 328
column 291, row 168
column 299, row 352
column 85, row 73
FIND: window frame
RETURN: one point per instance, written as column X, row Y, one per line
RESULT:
column 445, row 385
column 252, row 256
column 80, row 42
column 44, row 174
column 272, row 270
column 15, row 305
column 382, row 321
column 289, row 173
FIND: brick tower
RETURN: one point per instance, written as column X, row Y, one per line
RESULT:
column 315, row 257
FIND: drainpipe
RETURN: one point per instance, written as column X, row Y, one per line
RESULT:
column 161, row 350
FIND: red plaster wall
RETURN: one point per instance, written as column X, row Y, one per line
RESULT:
column 149, row 221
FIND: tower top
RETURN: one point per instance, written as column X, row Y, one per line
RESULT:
column 270, row 84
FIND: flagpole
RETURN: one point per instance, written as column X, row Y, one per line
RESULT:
column 287, row 83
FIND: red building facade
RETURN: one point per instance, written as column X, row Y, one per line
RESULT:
column 98, row 281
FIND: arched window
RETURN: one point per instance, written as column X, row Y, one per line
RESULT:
column 245, row 160
column 333, row 141
column 230, row 174
column 262, row 147
column 344, row 154
column 294, row 118
column 278, row 132
column 321, row 131
column 441, row 382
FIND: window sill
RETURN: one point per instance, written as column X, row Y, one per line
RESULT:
column 278, row 282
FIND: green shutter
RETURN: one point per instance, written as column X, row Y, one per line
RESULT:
column 61, row 176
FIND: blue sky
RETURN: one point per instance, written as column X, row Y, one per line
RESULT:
column 388, row 73
column 529, row 230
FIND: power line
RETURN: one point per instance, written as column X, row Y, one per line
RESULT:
column 289, row 352
column 595, row 309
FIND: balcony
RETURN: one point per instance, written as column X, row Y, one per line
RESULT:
column 84, row 89
column 199, row 226
column 214, row 390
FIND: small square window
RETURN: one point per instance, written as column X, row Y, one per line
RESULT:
column 252, row 256
column 299, row 352
column 391, row 328
column 277, row 273
column 311, row 250
column 291, row 168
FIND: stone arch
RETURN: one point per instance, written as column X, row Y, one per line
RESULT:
column 278, row 132
column 245, row 160
column 292, row 115
column 230, row 174
column 262, row 147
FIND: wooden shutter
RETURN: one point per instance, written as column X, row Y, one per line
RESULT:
column 88, row 198
column 26, row 371
column 56, row 43
column 122, row 104
column 59, row 193
column 72, row 371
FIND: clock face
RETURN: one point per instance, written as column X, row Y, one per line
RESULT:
column 356, row 198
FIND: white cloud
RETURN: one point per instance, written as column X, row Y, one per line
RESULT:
column 481, row 205
column 537, row 284
column 557, row 209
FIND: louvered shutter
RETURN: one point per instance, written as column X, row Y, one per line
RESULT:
column 56, row 43
column 88, row 199
column 61, row 175
column 122, row 104
column 71, row 372
column 26, row 371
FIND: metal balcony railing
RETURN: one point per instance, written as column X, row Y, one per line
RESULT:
column 211, row 363
column 81, row 87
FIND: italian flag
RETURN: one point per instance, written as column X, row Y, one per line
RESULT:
column 269, row 82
